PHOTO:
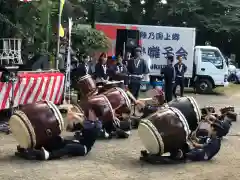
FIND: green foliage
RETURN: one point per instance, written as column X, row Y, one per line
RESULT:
column 88, row 40
column 217, row 21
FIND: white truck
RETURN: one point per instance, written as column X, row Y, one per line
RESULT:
column 204, row 62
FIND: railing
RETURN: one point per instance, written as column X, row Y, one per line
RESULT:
column 10, row 51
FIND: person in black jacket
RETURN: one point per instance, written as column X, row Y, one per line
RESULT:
column 81, row 70
column 212, row 145
column 169, row 76
column 119, row 71
column 180, row 70
column 101, row 69
column 137, row 67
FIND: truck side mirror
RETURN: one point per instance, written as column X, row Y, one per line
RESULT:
column 227, row 61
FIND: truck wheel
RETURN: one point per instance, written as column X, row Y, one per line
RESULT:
column 204, row 86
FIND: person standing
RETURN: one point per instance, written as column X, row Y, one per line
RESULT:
column 81, row 70
column 180, row 69
column 83, row 67
column 127, row 58
column 169, row 76
column 136, row 67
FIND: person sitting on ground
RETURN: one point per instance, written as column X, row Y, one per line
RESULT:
column 107, row 130
column 226, row 124
column 59, row 147
column 206, row 151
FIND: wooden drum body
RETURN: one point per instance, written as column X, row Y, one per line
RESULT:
column 86, row 85
column 101, row 106
column 164, row 131
column 33, row 125
column 119, row 100
column 189, row 108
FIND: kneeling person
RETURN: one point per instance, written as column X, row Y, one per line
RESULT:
column 59, row 147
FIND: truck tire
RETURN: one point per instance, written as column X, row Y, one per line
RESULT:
column 204, row 86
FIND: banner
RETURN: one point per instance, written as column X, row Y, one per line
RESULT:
column 61, row 30
column 68, row 64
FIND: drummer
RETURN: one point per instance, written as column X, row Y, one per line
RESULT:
column 107, row 130
column 118, row 70
column 59, row 147
column 137, row 67
column 81, row 70
column 101, row 69
column 206, row 151
column 157, row 102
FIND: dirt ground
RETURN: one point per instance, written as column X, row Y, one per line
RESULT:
column 119, row 159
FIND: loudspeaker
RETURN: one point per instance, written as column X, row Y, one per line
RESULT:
column 129, row 37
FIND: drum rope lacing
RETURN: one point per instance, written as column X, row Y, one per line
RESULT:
column 195, row 108
column 123, row 93
column 113, row 113
column 183, row 120
column 57, row 114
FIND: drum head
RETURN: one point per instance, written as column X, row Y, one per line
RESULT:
column 22, row 130
column 150, row 137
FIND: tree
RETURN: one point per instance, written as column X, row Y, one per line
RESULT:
column 88, row 40
column 104, row 10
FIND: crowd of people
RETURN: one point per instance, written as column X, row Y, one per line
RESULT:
column 131, row 69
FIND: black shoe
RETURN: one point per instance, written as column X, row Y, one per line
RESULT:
column 144, row 153
column 122, row 134
column 20, row 150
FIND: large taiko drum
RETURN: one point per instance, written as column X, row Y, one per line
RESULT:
column 119, row 101
column 164, row 131
column 33, row 125
column 86, row 85
column 101, row 106
column 189, row 108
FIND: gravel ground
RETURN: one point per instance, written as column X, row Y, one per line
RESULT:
column 119, row 159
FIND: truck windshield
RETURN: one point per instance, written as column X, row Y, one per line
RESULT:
column 213, row 56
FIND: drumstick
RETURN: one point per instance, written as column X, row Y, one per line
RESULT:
column 134, row 99
column 131, row 97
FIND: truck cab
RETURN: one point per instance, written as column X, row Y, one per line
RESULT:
column 211, row 69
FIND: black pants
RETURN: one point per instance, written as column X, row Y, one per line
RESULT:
column 178, row 82
column 196, row 155
column 134, row 88
column 168, row 90
column 62, row 147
